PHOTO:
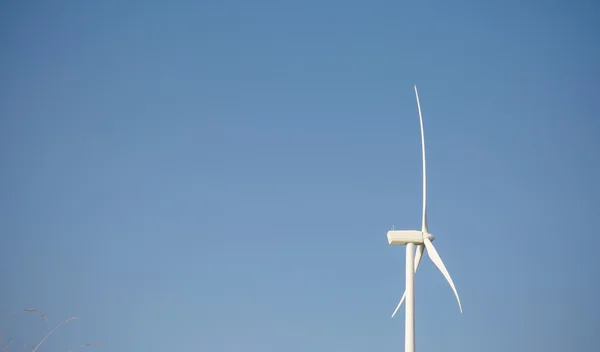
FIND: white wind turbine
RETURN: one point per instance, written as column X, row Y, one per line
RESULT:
column 423, row 240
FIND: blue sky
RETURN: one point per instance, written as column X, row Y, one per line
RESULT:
column 220, row 176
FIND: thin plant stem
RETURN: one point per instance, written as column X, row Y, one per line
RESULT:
column 53, row 330
column 30, row 310
column 85, row 345
column 36, row 311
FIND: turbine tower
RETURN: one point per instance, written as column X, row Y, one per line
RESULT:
column 422, row 240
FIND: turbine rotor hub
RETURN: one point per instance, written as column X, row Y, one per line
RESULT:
column 429, row 236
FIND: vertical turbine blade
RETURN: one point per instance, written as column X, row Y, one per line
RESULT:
column 435, row 258
column 424, row 224
column 418, row 255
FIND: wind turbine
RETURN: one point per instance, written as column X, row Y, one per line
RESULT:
column 422, row 240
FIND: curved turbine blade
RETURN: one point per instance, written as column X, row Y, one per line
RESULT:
column 435, row 258
column 399, row 304
column 418, row 255
column 424, row 224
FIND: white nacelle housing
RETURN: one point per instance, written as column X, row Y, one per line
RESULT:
column 404, row 236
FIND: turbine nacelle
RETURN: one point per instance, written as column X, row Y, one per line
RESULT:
column 402, row 237
column 422, row 240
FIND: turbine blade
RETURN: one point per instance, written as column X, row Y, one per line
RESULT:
column 424, row 224
column 435, row 258
column 399, row 304
column 418, row 255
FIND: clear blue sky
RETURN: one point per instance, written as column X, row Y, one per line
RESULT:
column 220, row 175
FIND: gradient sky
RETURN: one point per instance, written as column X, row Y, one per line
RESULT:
column 221, row 175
